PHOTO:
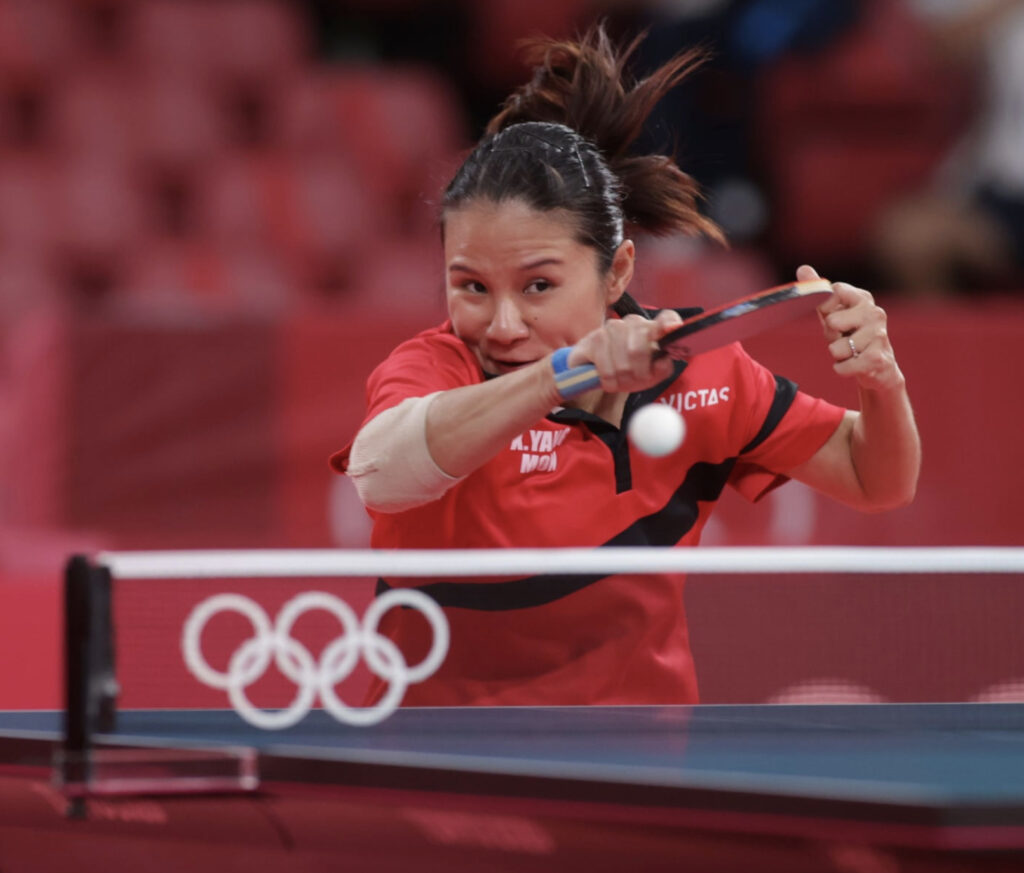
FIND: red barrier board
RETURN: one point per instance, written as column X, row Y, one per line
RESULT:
column 133, row 435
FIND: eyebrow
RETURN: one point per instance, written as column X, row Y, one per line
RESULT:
column 542, row 262
column 531, row 265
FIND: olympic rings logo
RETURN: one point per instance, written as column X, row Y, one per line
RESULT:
column 337, row 661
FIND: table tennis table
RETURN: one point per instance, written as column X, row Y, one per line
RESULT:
column 854, row 788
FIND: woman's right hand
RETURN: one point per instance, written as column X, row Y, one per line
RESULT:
column 624, row 351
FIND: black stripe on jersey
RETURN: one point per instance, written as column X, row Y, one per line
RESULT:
column 785, row 393
column 615, row 437
column 703, row 482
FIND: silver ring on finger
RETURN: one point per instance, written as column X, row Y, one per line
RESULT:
column 853, row 349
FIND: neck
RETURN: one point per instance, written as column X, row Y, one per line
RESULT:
column 607, row 406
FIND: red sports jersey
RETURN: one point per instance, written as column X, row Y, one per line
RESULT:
column 573, row 479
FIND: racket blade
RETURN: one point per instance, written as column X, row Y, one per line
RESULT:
column 743, row 318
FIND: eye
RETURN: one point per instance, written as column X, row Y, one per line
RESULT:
column 474, row 286
column 538, row 285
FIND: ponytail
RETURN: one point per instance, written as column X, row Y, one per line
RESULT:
column 563, row 142
column 587, row 86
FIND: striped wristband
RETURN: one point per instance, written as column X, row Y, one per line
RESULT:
column 571, row 381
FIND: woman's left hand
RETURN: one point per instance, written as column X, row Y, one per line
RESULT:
column 857, row 336
column 873, row 458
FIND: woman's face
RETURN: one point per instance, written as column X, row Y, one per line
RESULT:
column 519, row 284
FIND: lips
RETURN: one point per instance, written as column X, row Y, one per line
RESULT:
column 509, row 366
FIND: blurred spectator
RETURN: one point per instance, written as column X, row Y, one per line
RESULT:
column 474, row 44
column 709, row 120
column 967, row 228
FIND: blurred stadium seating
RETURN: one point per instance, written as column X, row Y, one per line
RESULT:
column 196, row 132
column 173, row 162
column 144, row 122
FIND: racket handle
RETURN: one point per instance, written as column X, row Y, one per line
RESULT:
column 575, row 380
column 571, row 381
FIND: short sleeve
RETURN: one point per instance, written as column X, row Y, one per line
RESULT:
column 794, row 427
column 428, row 363
column 435, row 360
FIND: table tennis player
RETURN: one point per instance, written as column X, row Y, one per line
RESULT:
column 469, row 442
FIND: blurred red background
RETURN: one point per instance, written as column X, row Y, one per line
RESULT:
column 211, row 231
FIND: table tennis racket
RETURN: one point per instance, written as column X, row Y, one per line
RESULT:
column 720, row 326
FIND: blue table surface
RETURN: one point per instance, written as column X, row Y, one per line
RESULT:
column 941, row 754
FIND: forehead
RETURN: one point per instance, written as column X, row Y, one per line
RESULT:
column 510, row 226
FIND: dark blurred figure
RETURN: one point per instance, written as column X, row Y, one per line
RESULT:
column 474, row 43
column 422, row 31
column 710, row 121
column 966, row 229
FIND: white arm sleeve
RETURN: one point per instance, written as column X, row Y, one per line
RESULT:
column 390, row 463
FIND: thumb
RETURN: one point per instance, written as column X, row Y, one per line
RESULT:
column 667, row 320
column 805, row 272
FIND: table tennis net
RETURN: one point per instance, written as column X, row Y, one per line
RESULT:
column 767, row 625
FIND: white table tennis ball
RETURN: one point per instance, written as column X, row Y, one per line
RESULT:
column 657, row 429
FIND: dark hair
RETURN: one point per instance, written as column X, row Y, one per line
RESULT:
column 562, row 141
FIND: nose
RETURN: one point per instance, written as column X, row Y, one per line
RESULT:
column 507, row 324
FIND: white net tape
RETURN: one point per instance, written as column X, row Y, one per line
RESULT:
column 513, row 562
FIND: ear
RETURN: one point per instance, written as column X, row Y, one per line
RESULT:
column 621, row 272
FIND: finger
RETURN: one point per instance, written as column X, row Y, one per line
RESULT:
column 843, row 322
column 846, row 310
column 826, row 312
column 806, row 273
column 639, row 349
column 600, row 355
column 625, row 351
column 846, row 296
column 661, row 365
column 860, row 311
column 667, row 320
column 848, row 348
column 662, row 369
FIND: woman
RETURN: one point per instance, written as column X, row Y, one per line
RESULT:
column 469, row 444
